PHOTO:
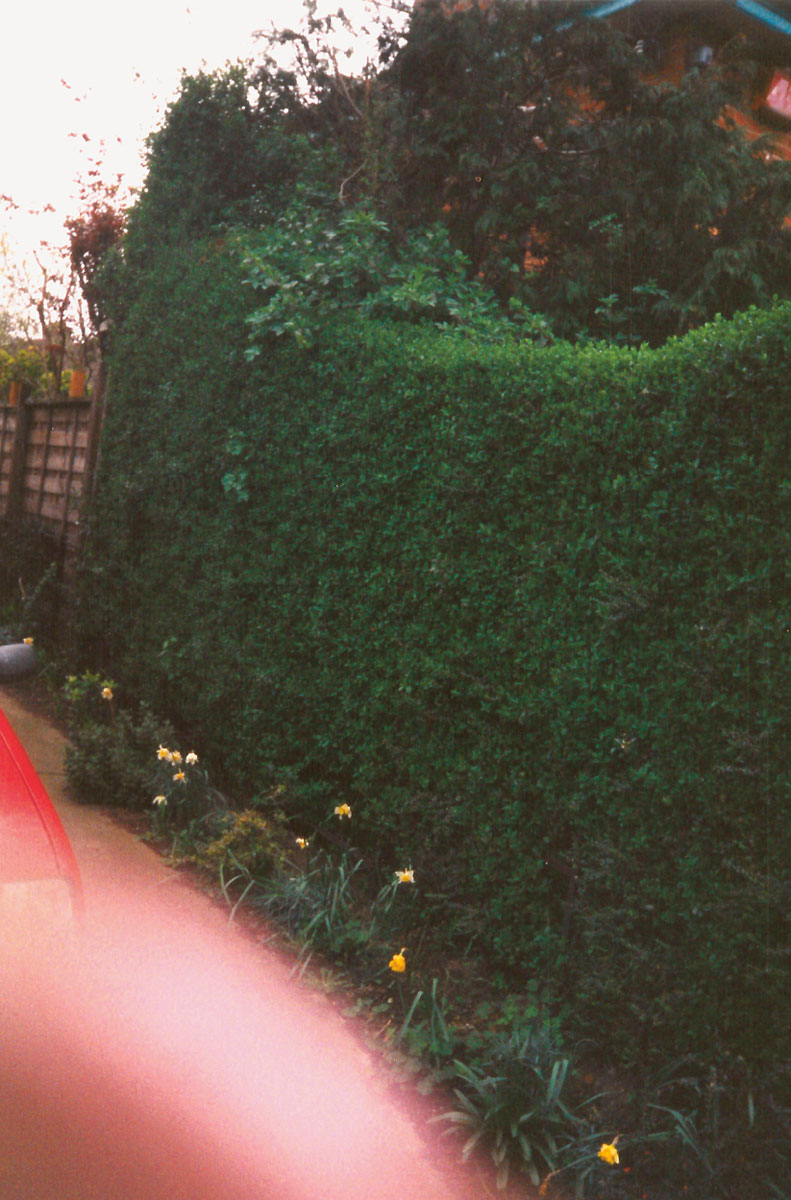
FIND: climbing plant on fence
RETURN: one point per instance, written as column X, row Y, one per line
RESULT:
column 524, row 608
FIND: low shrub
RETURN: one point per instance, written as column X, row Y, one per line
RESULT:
column 241, row 846
column 110, row 750
column 31, row 588
column 514, row 1098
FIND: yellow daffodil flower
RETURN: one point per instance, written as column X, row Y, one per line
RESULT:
column 28, row 641
column 405, row 876
column 608, row 1153
column 191, row 758
column 163, row 752
column 107, row 693
column 342, row 811
column 160, row 800
column 179, row 777
column 398, row 962
column 175, row 756
column 303, row 843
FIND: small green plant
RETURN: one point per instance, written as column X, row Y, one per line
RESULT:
column 513, row 1100
column 426, row 1031
column 312, row 900
column 242, row 848
column 109, row 748
column 37, row 601
column 391, row 909
column 246, row 842
column 333, row 923
column 87, row 700
column 723, row 1128
column 182, row 789
column 285, row 899
column 30, row 592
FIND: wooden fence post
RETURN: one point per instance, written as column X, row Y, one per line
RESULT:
column 16, row 477
column 73, row 429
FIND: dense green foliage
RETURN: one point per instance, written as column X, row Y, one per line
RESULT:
column 235, row 146
column 204, row 161
column 307, row 265
column 613, row 206
column 30, row 594
column 518, row 605
column 644, row 214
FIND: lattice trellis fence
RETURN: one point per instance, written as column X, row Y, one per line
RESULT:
column 46, row 460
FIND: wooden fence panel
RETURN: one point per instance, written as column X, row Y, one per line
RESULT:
column 45, row 456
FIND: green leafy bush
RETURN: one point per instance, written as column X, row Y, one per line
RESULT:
column 245, row 845
column 308, row 264
column 24, row 365
column 110, row 752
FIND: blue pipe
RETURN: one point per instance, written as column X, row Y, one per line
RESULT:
column 762, row 13
column 602, row 10
column 611, row 6
column 751, row 7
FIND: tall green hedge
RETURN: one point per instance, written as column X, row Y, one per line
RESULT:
column 521, row 607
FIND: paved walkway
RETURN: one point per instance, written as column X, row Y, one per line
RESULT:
column 176, row 1060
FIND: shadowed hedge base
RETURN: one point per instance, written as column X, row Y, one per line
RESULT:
column 516, row 605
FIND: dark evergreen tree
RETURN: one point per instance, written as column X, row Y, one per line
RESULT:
column 618, row 207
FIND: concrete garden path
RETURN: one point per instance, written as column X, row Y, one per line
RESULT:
column 169, row 1057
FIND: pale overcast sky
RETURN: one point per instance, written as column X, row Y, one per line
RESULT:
column 106, row 71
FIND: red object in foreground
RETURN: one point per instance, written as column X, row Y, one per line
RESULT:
column 778, row 97
column 162, row 1054
column 39, row 876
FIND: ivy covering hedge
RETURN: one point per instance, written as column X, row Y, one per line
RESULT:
column 521, row 607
